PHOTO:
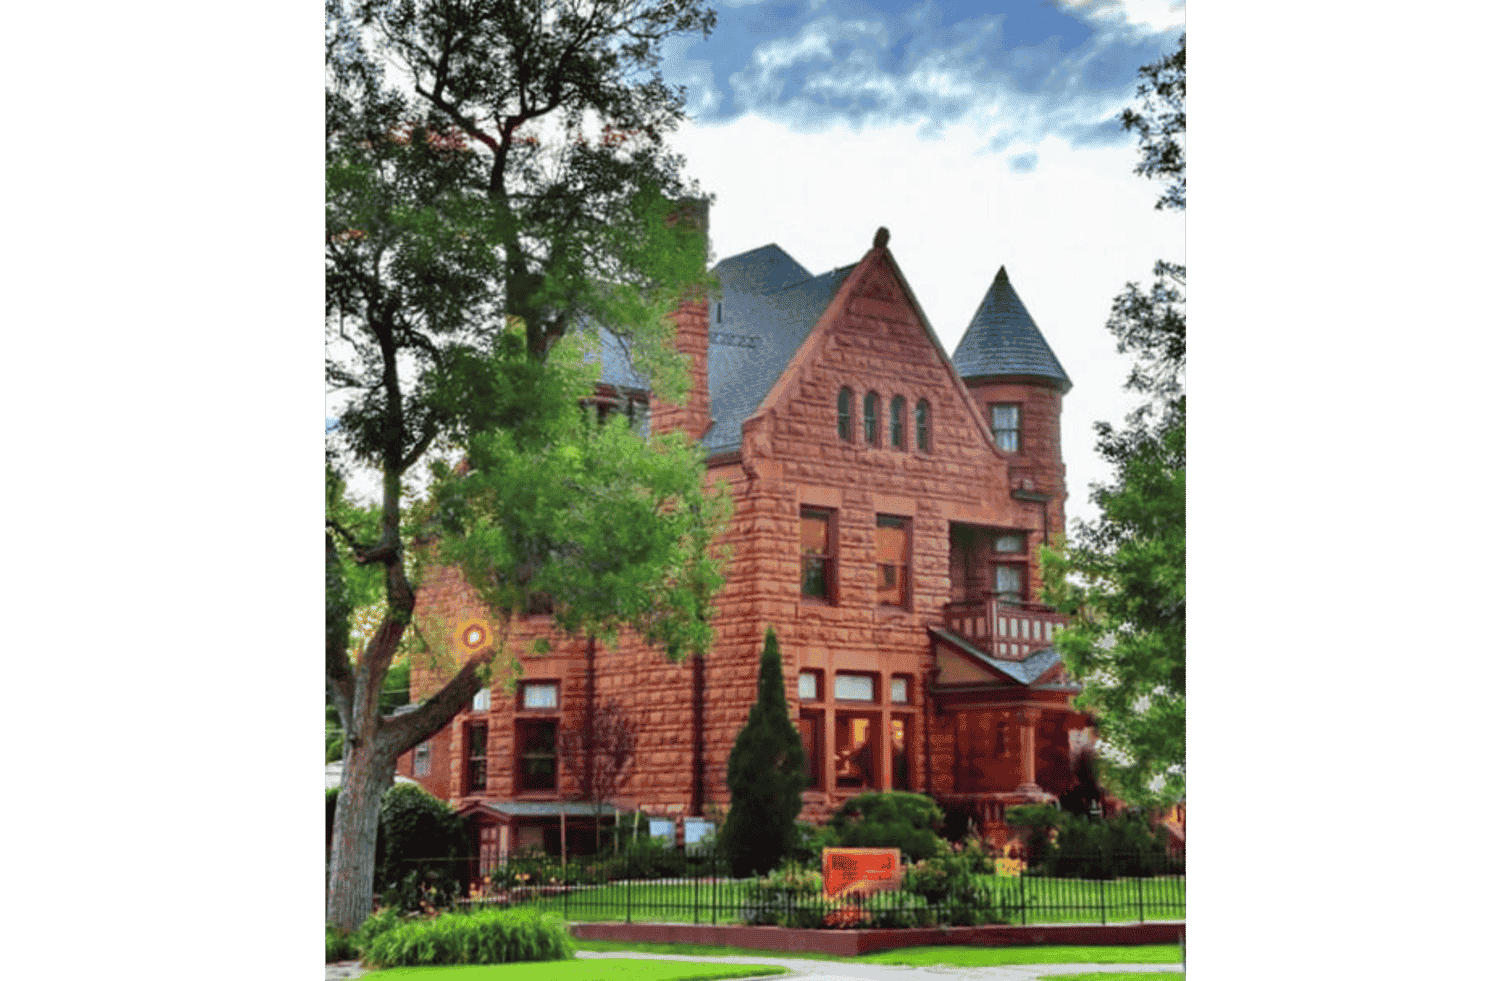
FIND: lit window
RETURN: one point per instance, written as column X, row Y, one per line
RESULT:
column 898, row 422
column 854, row 687
column 892, row 543
column 872, row 419
column 807, row 685
column 539, row 695
column 846, row 415
column 898, row 690
column 923, row 439
column 855, row 752
column 818, row 567
column 1005, row 425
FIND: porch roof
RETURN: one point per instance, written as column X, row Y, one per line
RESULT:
column 1025, row 671
column 544, row 808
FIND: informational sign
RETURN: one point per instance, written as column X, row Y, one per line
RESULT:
column 861, row 870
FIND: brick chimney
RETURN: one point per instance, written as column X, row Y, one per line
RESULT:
column 694, row 416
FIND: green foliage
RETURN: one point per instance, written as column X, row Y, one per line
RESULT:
column 765, row 776
column 811, row 840
column 482, row 937
column 1069, row 846
column 1123, row 579
column 959, row 881
column 418, row 849
column 790, row 896
column 338, row 945
column 893, row 819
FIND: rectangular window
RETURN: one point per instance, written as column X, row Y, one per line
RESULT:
column 899, row 691
column 892, row 547
column 900, row 761
column 1005, row 425
column 818, row 567
column 1008, row 583
column 810, row 686
column 810, row 727
column 856, row 753
column 539, row 695
column 476, row 757
column 536, row 755
column 854, row 687
column 1010, row 542
column 481, row 701
column 421, row 759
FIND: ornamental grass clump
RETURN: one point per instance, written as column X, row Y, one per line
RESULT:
column 490, row 936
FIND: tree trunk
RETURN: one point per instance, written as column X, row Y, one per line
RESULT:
column 351, row 872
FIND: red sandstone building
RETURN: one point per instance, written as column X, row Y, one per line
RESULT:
column 889, row 501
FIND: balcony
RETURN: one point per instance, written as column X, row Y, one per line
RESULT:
column 1005, row 630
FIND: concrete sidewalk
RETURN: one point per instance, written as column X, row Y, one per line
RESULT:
column 839, row 971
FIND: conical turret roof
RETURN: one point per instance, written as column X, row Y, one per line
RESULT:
column 1002, row 339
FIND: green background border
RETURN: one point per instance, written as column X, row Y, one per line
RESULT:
column 162, row 386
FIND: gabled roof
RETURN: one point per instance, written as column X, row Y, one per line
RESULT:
column 770, row 304
column 1002, row 339
column 1025, row 671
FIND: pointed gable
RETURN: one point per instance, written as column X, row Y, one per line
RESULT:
column 1002, row 339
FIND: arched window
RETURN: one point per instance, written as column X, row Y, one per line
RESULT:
column 872, row 419
column 846, row 415
column 898, row 422
column 923, row 441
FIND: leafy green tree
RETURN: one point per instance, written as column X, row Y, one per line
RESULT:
column 891, row 820
column 1123, row 578
column 510, row 184
column 766, row 776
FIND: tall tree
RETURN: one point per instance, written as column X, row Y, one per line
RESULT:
column 459, row 252
column 1123, row 578
column 766, row 775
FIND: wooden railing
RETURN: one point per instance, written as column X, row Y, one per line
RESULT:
column 1009, row 631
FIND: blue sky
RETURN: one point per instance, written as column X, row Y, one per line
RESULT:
column 980, row 134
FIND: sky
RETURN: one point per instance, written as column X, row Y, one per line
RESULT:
column 979, row 134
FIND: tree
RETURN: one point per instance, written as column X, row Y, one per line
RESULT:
column 602, row 749
column 894, row 819
column 765, row 775
column 1123, row 579
column 457, row 258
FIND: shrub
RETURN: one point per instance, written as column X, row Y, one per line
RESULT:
column 418, row 850
column 890, row 820
column 1068, row 846
column 338, row 945
column 342, row 946
column 481, row 937
column 811, row 840
column 765, row 776
column 791, row 896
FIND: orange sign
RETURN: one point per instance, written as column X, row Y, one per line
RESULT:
column 861, row 870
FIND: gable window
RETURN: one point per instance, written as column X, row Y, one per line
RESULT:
column 846, row 415
column 475, row 757
column 892, row 548
column 536, row 755
column 818, row 566
column 898, row 422
column 1005, row 426
column 872, row 419
column 923, row 439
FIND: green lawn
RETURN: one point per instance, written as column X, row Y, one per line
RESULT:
column 1047, row 901
column 924, row 956
column 1109, row 976
column 590, row 970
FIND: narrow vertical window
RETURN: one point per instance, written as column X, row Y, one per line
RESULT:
column 898, row 422
column 900, row 764
column 846, row 415
column 536, row 752
column 1005, row 425
column 872, row 419
column 892, row 547
column 923, row 441
column 476, row 758
column 818, row 567
column 810, row 728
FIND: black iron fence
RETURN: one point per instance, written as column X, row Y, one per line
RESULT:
column 677, row 887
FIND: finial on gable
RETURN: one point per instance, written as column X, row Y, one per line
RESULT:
column 882, row 236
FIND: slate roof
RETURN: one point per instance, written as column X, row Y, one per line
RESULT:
column 770, row 304
column 1002, row 339
column 1026, row 670
column 545, row 808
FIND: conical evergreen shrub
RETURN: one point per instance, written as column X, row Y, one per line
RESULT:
column 766, row 776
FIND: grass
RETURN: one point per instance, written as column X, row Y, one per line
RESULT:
column 1123, row 900
column 924, row 956
column 1112, row 976
column 589, row 970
